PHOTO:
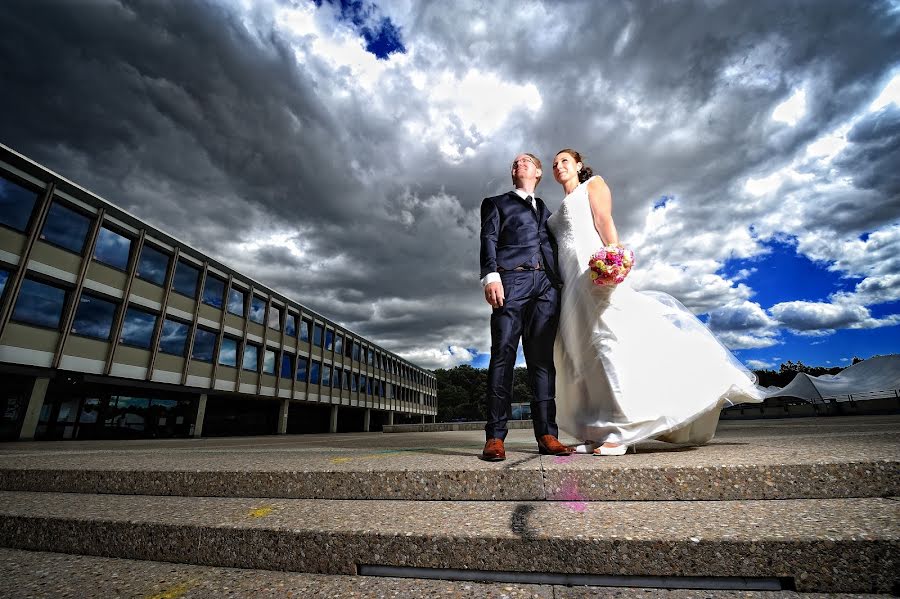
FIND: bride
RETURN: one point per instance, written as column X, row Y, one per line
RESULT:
column 630, row 365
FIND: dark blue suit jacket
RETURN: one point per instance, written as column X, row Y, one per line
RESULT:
column 513, row 235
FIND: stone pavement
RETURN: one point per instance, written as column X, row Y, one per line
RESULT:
column 809, row 504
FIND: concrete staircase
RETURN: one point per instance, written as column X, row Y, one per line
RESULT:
column 807, row 505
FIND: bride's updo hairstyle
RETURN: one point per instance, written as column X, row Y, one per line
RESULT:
column 586, row 172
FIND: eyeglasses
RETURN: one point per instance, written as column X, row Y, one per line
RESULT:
column 522, row 161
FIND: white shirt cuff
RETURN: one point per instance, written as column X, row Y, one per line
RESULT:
column 491, row 277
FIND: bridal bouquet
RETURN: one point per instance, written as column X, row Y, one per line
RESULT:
column 610, row 265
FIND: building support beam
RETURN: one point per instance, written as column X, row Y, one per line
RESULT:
column 423, row 419
column 201, row 413
column 332, row 427
column 283, row 416
column 367, row 420
column 33, row 411
column 390, row 418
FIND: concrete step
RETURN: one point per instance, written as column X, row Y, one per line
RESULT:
column 40, row 575
column 823, row 545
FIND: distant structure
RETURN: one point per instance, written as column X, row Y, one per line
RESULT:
column 110, row 328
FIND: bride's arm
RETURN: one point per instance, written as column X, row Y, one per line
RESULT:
column 601, row 209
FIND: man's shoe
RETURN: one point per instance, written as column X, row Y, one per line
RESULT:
column 493, row 451
column 550, row 445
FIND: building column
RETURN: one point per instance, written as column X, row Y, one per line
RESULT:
column 423, row 418
column 33, row 411
column 201, row 414
column 390, row 418
column 367, row 420
column 433, row 419
column 283, row 416
column 332, row 427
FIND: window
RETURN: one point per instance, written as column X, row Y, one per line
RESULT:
column 369, row 386
column 314, row 372
column 269, row 362
column 354, row 381
column 317, row 335
column 355, row 351
column 138, row 327
column 370, row 357
column 93, row 317
column 274, row 317
column 39, row 304
column 236, row 302
column 251, row 357
column 257, row 309
column 348, row 347
column 305, row 326
column 204, row 345
column 378, row 361
column 174, row 337
column 213, row 291
column 326, row 375
column 287, row 365
column 329, row 339
column 337, row 383
column 153, row 265
column 362, row 383
column 112, row 249
column 290, row 325
column 16, row 204
column 302, row 367
column 228, row 352
column 186, row 278
column 4, row 277
column 66, row 227
column 339, row 344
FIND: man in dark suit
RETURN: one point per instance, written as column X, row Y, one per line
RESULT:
column 521, row 282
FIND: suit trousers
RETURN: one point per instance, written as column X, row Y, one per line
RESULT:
column 530, row 312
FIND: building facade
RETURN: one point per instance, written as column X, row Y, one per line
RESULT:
column 110, row 328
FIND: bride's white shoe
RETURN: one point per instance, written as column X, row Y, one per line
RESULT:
column 605, row 450
column 586, row 447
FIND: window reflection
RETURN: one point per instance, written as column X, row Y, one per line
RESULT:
column 228, row 352
column 186, row 279
column 204, row 345
column 336, row 382
column 369, row 386
column 39, row 304
column 348, row 348
column 339, row 344
column 362, row 383
column 347, row 379
column 153, row 265
column 275, row 317
column 370, row 357
column 257, row 309
column 236, row 301
column 329, row 339
column 290, row 325
column 326, row 375
column 355, row 351
column 173, row 339
column 112, row 249
column 66, row 228
column 137, row 329
column 317, row 335
column 4, row 277
column 302, row 367
column 16, row 204
column 354, row 381
column 213, row 291
column 251, row 358
column 269, row 362
column 93, row 317
column 314, row 372
column 305, row 326
column 287, row 365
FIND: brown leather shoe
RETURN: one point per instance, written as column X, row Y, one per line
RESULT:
column 550, row 445
column 493, row 451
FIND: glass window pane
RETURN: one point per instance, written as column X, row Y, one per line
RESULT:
column 354, row 381
column 370, row 357
column 326, row 375
column 112, row 249
column 228, row 352
column 251, row 357
column 138, row 327
column 66, row 228
column 302, row 366
column 287, row 365
column 369, row 386
column 186, row 278
column 173, row 339
column 339, row 344
column 362, row 383
column 356, row 351
column 93, row 317
column 16, row 204
column 347, row 378
column 236, row 301
column 257, row 309
column 317, row 335
column 290, row 325
column 153, row 265
column 305, row 326
column 40, row 304
column 269, row 362
column 275, row 318
column 204, row 345
column 329, row 339
column 336, row 378
column 213, row 291
column 4, row 277
column 314, row 369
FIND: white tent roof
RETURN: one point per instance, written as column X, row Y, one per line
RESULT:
column 881, row 373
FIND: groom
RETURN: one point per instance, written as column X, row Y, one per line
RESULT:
column 521, row 282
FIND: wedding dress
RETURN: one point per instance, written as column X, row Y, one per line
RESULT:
column 633, row 365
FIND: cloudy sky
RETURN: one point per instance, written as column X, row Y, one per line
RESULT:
column 339, row 151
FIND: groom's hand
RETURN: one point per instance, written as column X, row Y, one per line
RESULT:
column 493, row 293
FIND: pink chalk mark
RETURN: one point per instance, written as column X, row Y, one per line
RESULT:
column 563, row 459
column 571, row 497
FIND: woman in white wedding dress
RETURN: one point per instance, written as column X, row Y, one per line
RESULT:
column 630, row 365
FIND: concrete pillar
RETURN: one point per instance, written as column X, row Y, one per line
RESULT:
column 332, row 427
column 390, row 418
column 33, row 411
column 283, row 416
column 201, row 414
column 367, row 420
column 433, row 419
column 423, row 418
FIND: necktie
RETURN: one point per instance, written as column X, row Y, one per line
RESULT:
column 530, row 200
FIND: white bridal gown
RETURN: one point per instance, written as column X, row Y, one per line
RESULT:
column 633, row 365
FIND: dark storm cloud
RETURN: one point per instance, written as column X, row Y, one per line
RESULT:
column 873, row 155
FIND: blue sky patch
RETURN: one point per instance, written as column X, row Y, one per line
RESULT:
column 381, row 35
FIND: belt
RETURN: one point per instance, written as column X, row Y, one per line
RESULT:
column 521, row 268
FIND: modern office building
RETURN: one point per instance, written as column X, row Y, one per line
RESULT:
column 110, row 328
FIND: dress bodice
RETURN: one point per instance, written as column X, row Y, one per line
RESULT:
column 576, row 237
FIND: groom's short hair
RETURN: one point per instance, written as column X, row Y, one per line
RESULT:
column 537, row 163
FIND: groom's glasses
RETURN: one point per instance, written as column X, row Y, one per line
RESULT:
column 522, row 161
